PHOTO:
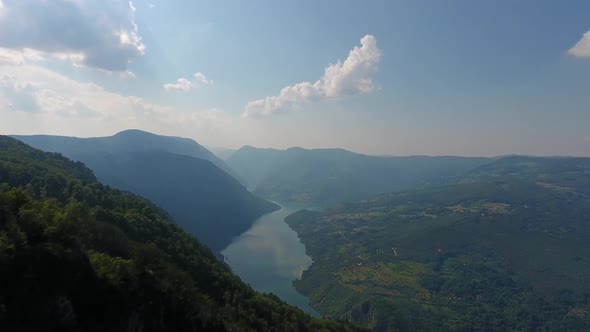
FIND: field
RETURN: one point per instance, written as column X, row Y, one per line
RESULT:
column 500, row 253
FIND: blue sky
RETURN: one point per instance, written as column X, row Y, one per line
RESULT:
column 380, row 77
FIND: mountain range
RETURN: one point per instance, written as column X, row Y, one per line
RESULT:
column 412, row 243
column 76, row 255
column 320, row 177
column 177, row 174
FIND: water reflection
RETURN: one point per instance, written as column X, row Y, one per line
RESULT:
column 269, row 256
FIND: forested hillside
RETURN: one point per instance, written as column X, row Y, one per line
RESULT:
column 505, row 250
column 319, row 177
column 565, row 172
column 76, row 255
column 203, row 199
column 177, row 174
column 131, row 140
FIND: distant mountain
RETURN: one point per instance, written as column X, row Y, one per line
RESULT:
column 505, row 249
column 325, row 176
column 253, row 164
column 566, row 172
column 203, row 199
column 124, row 141
column 76, row 255
column 221, row 153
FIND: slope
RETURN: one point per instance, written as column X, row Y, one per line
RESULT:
column 500, row 251
column 79, row 256
column 221, row 153
column 326, row 176
column 122, row 142
column 253, row 164
column 203, row 199
column 565, row 172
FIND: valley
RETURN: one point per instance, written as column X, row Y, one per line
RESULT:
column 269, row 257
column 177, row 174
column 493, row 252
column 78, row 255
column 322, row 177
column 294, row 166
column 455, row 243
column 461, row 243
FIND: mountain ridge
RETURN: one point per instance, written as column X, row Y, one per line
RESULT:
column 130, row 139
column 325, row 176
column 203, row 198
column 76, row 255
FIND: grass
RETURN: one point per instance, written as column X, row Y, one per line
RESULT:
column 488, row 252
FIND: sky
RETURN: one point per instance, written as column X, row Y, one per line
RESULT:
column 412, row 77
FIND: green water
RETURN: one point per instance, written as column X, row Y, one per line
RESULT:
column 269, row 256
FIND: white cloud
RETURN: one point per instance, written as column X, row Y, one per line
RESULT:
column 19, row 57
column 36, row 100
column 21, row 94
column 202, row 80
column 582, row 47
column 183, row 84
column 47, row 95
column 353, row 76
column 93, row 33
column 127, row 74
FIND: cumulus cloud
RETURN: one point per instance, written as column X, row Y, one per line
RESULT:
column 353, row 76
column 35, row 100
column 19, row 57
column 183, row 84
column 21, row 96
column 94, row 33
column 202, row 80
column 582, row 47
column 127, row 74
column 48, row 94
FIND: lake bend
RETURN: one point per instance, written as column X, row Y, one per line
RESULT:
column 269, row 256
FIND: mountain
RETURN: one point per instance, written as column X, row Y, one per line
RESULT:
column 202, row 198
column 566, row 172
column 76, row 255
column 253, row 164
column 503, row 249
column 326, row 176
column 221, row 153
column 122, row 142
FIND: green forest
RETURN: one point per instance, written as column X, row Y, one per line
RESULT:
column 503, row 249
column 294, row 166
column 177, row 174
column 76, row 255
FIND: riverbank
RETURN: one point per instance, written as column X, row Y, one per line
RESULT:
column 269, row 256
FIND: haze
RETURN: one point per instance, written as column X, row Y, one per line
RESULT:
column 380, row 77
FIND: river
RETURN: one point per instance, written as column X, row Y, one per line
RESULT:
column 269, row 256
